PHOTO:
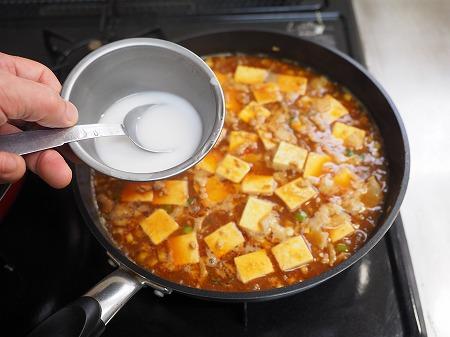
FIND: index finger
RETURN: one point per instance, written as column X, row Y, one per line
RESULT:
column 33, row 102
column 30, row 70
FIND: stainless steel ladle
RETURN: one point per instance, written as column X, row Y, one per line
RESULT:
column 37, row 140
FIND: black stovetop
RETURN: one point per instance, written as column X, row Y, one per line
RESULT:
column 48, row 257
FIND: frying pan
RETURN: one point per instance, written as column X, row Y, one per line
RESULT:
column 88, row 315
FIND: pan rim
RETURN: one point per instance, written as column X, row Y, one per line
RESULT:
column 276, row 293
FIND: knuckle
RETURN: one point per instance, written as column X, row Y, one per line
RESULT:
column 4, row 79
column 3, row 118
column 7, row 63
column 5, row 163
column 3, row 95
column 9, row 101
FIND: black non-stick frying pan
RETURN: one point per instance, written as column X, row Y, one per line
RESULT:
column 88, row 315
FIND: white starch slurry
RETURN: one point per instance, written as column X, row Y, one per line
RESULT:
column 172, row 123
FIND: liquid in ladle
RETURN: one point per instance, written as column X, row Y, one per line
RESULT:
column 172, row 123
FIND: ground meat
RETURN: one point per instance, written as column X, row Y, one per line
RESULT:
column 121, row 214
column 106, row 204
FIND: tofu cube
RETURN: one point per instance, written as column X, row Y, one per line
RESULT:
column 221, row 77
column 173, row 192
column 231, row 102
column 253, row 110
column 183, row 249
column 252, row 157
column 267, row 139
column 374, row 194
column 233, row 169
column 136, row 192
column 296, row 125
column 292, row 253
column 209, row 61
column 158, row 226
column 330, row 108
column 289, row 156
column 238, row 141
column 266, row 92
column 292, row 84
column 217, row 190
column 352, row 137
column 253, row 265
column 258, row 184
column 294, row 194
column 317, row 237
column 209, row 163
column 314, row 164
column 255, row 210
column 250, row 75
column 339, row 232
column 343, row 177
column 224, row 239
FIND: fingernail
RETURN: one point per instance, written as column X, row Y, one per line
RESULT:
column 71, row 112
column 9, row 163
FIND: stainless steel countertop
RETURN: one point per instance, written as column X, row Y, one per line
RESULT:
column 407, row 47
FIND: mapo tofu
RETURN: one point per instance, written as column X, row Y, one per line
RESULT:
column 293, row 187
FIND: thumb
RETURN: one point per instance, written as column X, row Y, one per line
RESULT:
column 12, row 167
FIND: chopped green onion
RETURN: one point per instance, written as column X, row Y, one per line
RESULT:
column 187, row 229
column 341, row 248
column 300, row 216
column 349, row 153
column 191, row 200
column 362, row 156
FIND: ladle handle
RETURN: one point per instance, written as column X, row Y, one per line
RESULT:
column 38, row 140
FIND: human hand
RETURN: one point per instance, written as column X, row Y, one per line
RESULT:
column 29, row 91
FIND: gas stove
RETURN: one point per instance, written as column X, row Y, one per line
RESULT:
column 49, row 258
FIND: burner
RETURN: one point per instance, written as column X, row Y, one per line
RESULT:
column 66, row 52
column 44, row 254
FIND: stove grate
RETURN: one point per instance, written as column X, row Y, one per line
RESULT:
column 56, row 8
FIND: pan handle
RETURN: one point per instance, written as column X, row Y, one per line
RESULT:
column 88, row 315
